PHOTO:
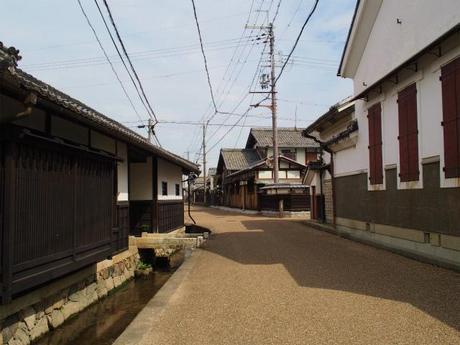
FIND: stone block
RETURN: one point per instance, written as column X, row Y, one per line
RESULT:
column 117, row 281
column 28, row 316
column 41, row 327
column 10, row 326
column 22, row 336
column 78, row 296
column 14, row 341
column 101, row 289
column 91, row 293
column 109, row 284
column 56, row 318
column 39, row 310
column 70, row 308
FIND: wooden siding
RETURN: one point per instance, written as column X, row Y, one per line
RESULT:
column 56, row 212
column 2, row 214
column 121, row 231
column 170, row 215
column 142, row 217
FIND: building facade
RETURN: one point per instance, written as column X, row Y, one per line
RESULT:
column 243, row 174
column 74, row 184
column 402, row 168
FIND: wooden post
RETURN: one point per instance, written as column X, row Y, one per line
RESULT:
column 10, row 220
column 155, row 214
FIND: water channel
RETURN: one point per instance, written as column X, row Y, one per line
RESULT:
column 105, row 320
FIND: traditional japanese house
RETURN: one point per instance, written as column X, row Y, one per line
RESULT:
column 73, row 183
column 291, row 144
column 244, row 174
column 246, row 188
column 395, row 180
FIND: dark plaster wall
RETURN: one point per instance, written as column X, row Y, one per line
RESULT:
column 431, row 209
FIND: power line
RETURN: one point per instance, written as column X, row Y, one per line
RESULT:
column 227, row 69
column 204, row 57
column 277, row 11
column 108, row 59
column 128, row 58
column 297, row 40
column 121, row 58
column 231, row 81
column 140, row 55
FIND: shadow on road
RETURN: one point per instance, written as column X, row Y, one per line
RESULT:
column 320, row 260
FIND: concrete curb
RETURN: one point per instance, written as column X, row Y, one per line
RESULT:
column 147, row 319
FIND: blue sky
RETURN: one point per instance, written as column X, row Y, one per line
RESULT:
column 58, row 47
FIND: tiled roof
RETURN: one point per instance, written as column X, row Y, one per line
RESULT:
column 287, row 137
column 237, row 159
column 8, row 58
column 333, row 115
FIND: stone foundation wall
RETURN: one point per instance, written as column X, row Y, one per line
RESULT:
column 29, row 317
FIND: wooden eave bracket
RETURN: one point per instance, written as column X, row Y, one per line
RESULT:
column 437, row 51
column 412, row 66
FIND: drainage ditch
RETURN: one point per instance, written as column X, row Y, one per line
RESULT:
column 102, row 322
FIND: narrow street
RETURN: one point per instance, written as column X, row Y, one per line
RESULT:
column 268, row 281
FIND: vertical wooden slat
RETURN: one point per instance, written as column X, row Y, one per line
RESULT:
column 10, row 219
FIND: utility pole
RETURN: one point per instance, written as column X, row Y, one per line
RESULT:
column 149, row 130
column 273, row 105
column 272, row 92
column 204, row 163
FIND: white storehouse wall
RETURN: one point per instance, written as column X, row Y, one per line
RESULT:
column 391, row 43
column 140, row 186
column 172, row 175
column 122, row 171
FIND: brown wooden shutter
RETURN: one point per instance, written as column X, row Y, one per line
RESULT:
column 375, row 144
column 450, row 77
column 408, row 134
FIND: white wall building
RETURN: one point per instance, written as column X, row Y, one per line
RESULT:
column 396, row 182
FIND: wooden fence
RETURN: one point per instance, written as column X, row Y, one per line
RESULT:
column 56, row 206
column 291, row 202
column 170, row 215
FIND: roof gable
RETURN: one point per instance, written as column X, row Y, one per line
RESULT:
column 360, row 29
column 237, row 159
column 287, row 137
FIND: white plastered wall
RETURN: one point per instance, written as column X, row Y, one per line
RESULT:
column 122, row 171
column 140, row 175
column 172, row 175
column 391, row 43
